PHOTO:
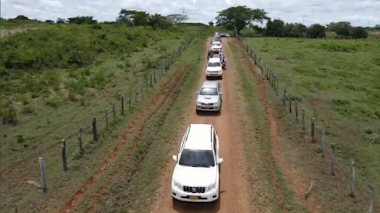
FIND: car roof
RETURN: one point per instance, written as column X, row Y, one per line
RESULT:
column 199, row 137
column 210, row 84
column 214, row 60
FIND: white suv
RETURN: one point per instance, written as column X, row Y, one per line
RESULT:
column 216, row 46
column 214, row 68
column 209, row 97
column 196, row 174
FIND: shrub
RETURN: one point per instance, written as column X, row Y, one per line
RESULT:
column 9, row 115
column 28, row 109
column 53, row 102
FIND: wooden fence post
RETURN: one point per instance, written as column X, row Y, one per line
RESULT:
column 129, row 102
column 142, row 92
column 95, row 130
column 122, row 105
column 151, row 79
column 284, row 97
column 16, row 206
column 323, row 142
column 276, row 85
column 303, row 119
column 136, row 94
column 114, row 112
column 371, row 198
column 43, row 175
column 81, row 151
column 154, row 76
column 333, row 159
column 352, row 179
column 290, row 105
column 312, row 133
column 64, row 157
column 106, row 116
column 296, row 108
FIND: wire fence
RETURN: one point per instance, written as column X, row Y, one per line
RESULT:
column 313, row 130
column 101, row 123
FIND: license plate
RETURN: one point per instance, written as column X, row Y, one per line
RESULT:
column 193, row 197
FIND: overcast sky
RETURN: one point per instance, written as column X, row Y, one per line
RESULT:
column 358, row 12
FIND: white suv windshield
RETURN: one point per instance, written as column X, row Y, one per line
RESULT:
column 218, row 45
column 197, row 158
column 208, row 91
column 214, row 64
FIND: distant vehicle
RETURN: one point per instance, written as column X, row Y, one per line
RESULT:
column 196, row 173
column 214, row 39
column 228, row 35
column 216, row 46
column 222, row 34
column 214, row 68
column 209, row 97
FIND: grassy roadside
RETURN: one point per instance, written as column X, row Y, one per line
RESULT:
column 269, row 190
column 133, row 187
column 337, row 82
column 50, row 124
column 330, row 192
column 61, row 184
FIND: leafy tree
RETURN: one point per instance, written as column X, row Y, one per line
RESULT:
column 133, row 17
column 275, row 28
column 140, row 18
column 359, row 32
column 82, row 20
column 316, row 31
column 237, row 18
column 61, row 21
column 158, row 20
column 341, row 28
column 294, row 30
column 211, row 24
column 21, row 17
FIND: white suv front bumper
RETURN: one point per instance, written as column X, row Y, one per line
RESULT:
column 206, row 107
column 214, row 73
column 209, row 196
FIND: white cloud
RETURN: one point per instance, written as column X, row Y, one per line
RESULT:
column 359, row 12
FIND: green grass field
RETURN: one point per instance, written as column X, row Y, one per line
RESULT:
column 45, row 98
column 337, row 81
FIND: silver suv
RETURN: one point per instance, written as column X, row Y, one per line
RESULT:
column 209, row 97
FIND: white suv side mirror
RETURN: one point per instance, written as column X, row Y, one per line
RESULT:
column 196, row 92
column 220, row 93
column 175, row 158
column 220, row 160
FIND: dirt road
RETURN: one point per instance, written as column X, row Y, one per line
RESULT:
column 234, row 195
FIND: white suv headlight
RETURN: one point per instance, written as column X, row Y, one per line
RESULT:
column 212, row 186
column 199, row 103
column 177, row 184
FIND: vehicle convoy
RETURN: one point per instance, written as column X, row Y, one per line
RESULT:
column 216, row 46
column 209, row 97
column 196, row 173
column 214, row 68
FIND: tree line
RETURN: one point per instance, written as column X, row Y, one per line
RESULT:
column 241, row 17
column 127, row 17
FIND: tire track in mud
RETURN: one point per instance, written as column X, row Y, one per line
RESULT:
column 79, row 195
column 137, row 139
column 296, row 183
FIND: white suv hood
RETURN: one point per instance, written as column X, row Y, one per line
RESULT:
column 208, row 98
column 195, row 176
